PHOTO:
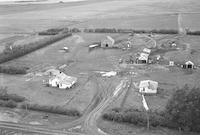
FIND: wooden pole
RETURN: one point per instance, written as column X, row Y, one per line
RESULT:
column 147, row 115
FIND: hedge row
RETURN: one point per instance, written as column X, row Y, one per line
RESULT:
column 7, row 97
column 54, row 31
column 18, row 51
column 13, row 69
column 193, row 32
column 51, row 109
column 135, row 116
column 113, row 30
column 9, row 103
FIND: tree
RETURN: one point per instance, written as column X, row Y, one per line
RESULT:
column 183, row 109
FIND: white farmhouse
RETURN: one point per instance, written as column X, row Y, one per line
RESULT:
column 62, row 81
column 148, row 87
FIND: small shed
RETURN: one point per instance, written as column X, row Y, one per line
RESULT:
column 107, row 42
column 146, row 50
column 171, row 63
column 148, row 87
column 188, row 65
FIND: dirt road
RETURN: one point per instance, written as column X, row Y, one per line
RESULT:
column 90, row 124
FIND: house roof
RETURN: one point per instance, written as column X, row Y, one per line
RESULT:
column 189, row 63
column 146, row 50
column 148, row 83
column 111, row 39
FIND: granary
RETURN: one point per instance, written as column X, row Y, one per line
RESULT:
column 148, row 87
column 143, row 58
column 188, row 65
column 171, row 63
column 146, row 50
column 62, row 81
column 108, row 42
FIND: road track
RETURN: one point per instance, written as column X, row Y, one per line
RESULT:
column 34, row 129
column 90, row 124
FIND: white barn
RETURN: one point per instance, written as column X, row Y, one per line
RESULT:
column 107, row 42
column 143, row 58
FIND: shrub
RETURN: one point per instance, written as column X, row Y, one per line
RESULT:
column 113, row 30
column 53, row 31
column 134, row 116
column 193, row 33
column 75, row 30
column 13, row 69
column 9, row 103
column 51, row 109
column 7, row 97
column 183, row 109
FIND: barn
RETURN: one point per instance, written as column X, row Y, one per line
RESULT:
column 188, row 65
column 108, row 42
column 143, row 58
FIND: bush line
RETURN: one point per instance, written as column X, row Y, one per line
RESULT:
column 13, row 69
column 18, row 51
column 51, row 109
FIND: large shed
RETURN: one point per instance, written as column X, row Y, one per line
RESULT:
column 188, row 65
column 108, row 42
column 143, row 58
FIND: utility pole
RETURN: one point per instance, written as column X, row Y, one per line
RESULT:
column 146, row 110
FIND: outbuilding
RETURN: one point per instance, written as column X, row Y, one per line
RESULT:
column 148, row 87
column 108, row 42
column 171, row 63
column 188, row 65
column 143, row 58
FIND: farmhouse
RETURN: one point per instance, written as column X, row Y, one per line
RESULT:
column 188, row 65
column 148, row 87
column 143, row 58
column 62, row 81
column 108, row 42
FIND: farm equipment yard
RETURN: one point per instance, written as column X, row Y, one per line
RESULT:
column 86, row 75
